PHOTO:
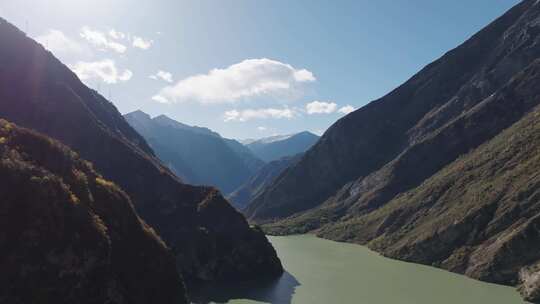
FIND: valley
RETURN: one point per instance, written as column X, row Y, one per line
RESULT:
column 321, row 271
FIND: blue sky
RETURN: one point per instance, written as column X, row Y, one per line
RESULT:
column 249, row 68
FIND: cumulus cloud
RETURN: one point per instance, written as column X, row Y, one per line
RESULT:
column 249, row 78
column 163, row 75
column 105, row 70
column 141, row 43
column 58, row 43
column 346, row 109
column 265, row 113
column 321, row 107
column 101, row 41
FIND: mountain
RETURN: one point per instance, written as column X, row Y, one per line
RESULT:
column 435, row 172
column 260, row 180
column 252, row 162
column 212, row 242
column 68, row 235
column 199, row 155
column 276, row 147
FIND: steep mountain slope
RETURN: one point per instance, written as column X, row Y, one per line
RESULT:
column 68, row 236
column 140, row 122
column 260, row 180
column 479, row 216
column 276, row 147
column 212, row 160
column 418, row 128
column 252, row 162
column 211, row 240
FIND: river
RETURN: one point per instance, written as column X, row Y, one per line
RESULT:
column 326, row 272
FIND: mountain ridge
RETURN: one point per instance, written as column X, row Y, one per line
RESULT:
column 40, row 93
column 242, row 196
column 68, row 234
column 199, row 155
column 279, row 146
column 441, row 171
column 427, row 101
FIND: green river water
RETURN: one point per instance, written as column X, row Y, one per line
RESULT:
column 326, row 272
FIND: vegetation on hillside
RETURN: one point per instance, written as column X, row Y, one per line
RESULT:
column 67, row 235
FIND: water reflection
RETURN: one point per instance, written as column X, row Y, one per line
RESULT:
column 278, row 291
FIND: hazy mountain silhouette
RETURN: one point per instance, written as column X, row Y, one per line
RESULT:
column 276, row 147
column 199, row 155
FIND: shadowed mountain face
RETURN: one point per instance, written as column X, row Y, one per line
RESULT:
column 211, row 241
column 67, row 235
column 441, row 171
column 198, row 155
column 276, row 147
column 259, row 181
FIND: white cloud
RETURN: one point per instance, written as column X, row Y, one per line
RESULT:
column 116, row 34
column 57, row 42
column 163, row 75
column 159, row 99
column 100, row 40
column 105, row 70
column 304, row 76
column 249, row 78
column 250, row 114
column 140, row 43
column 346, row 109
column 321, row 107
column 262, row 129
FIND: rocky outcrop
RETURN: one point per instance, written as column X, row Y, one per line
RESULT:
column 38, row 92
column 67, row 235
column 529, row 278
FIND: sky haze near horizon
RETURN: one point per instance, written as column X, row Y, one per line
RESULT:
column 246, row 68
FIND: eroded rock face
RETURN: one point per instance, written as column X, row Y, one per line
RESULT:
column 530, row 283
column 67, row 235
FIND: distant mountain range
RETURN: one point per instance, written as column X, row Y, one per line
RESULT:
column 198, row 155
column 243, row 196
column 113, row 178
column 276, row 147
column 441, row 171
column 201, row 156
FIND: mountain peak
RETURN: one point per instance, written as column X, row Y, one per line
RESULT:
column 166, row 120
column 139, row 114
